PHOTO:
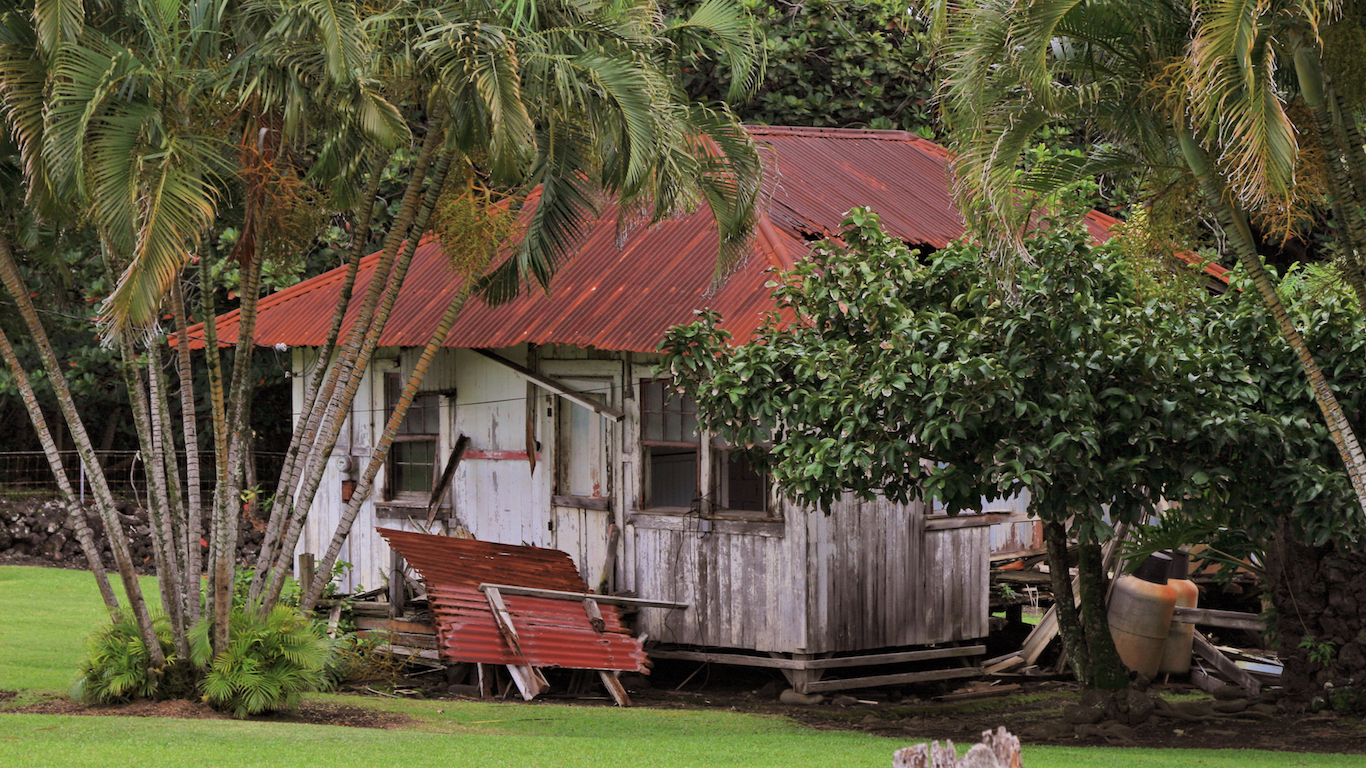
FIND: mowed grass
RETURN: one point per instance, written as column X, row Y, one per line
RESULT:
column 45, row 615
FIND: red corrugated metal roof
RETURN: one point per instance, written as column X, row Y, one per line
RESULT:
column 552, row 633
column 623, row 293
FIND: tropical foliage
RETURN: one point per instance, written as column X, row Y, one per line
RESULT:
column 272, row 658
column 912, row 376
column 227, row 137
column 863, row 64
column 1187, row 96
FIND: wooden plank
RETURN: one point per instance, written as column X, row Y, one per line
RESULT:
column 1007, row 663
column 590, row 607
column 1205, row 682
column 1225, row 665
column 609, row 563
column 949, row 523
column 444, row 485
column 1226, row 619
column 529, row 681
column 555, row 594
column 898, row 679
column 743, row 660
column 614, row 687
column 401, row 638
column 559, row 388
column 401, row 650
column 582, row 502
column 306, row 570
column 896, row 658
column 737, row 659
column 398, row 588
column 396, row 625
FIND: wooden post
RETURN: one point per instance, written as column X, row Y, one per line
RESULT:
column 614, row 687
column 397, row 588
column 306, row 567
column 590, row 607
column 530, row 682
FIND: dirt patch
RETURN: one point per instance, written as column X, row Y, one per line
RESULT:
column 1035, row 714
column 312, row 713
column 7, row 695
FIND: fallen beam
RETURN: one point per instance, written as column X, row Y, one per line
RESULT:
column 578, row 597
column 870, row 660
column 875, row 681
column 1225, row 619
column 1225, row 665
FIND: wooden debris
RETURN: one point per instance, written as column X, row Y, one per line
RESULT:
column 1225, row 665
column 983, row 693
column 530, row 681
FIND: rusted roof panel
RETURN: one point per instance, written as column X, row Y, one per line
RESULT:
column 552, row 633
column 623, row 292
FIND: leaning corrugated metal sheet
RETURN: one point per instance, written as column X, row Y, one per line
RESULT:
column 552, row 633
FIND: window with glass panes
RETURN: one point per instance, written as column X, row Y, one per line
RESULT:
column 669, row 438
column 412, row 458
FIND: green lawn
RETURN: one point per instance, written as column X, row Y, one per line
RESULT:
column 45, row 613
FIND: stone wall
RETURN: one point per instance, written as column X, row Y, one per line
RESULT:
column 41, row 530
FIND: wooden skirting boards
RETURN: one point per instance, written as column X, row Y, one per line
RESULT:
column 804, row 671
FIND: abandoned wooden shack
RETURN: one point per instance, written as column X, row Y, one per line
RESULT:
column 572, row 436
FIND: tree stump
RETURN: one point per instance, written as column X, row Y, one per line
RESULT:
column 998, row 749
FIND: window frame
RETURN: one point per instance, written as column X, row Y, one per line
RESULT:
column 646, row 457
column 392, row 388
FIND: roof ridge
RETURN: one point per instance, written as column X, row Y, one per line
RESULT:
column 833, row 133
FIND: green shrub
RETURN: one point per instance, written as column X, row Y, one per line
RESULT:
column 116, row 669
column 269, row 662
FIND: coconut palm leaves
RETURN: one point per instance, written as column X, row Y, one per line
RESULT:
column 1187, row 93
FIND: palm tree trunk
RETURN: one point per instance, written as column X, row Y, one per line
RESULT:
column 337, row 412
column 1240, row 237
column 295, row 456
column 194, row 519
column 227, row 498
column 323, row 573
column 54, row 459
column 1342, row 197
column 104, row 500
column 332, row 406
column 159, row 518
column 177, row 545
column 219, row 419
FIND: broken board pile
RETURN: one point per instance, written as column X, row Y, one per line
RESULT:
column 477, row 623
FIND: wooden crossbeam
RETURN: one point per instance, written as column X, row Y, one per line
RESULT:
column 530, row 682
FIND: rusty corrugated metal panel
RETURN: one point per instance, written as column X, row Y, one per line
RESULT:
column 552, row 633
column 623, row 293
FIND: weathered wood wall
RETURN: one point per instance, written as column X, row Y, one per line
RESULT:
column 870, row 575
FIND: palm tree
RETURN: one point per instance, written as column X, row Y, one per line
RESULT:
column 586, row 103
column 152, row 122
column 1121, row 70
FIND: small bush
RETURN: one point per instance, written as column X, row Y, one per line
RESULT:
column 117, row 668
column 270, row 661
column 352, row 658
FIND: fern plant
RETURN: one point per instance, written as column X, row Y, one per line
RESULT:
column 270, row 661
column 117, row 667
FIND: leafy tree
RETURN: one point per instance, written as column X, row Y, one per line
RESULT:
column 1286, row 500
column 837, row 63
column 912, row 376
column 1182, row 93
